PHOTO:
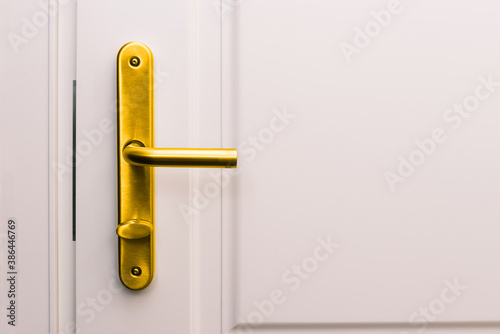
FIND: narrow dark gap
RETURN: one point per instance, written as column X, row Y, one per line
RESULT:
column 73, row 164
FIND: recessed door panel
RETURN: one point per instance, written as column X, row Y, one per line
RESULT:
column 368, row 163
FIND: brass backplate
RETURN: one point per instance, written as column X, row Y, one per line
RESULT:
column 136, row 256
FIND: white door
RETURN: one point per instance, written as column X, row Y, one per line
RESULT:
column 27, row 197
column 366, row 194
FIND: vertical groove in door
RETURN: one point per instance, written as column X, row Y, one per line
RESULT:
column 221, row 179
column 194, row 176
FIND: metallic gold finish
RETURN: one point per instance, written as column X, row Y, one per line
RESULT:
column 134, row 229
column 137, row 156
column 135, row 184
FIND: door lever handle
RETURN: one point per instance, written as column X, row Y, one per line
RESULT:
column 136, row 157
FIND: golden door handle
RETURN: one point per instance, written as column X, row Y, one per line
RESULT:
column 134, row 229
column 137, row 156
